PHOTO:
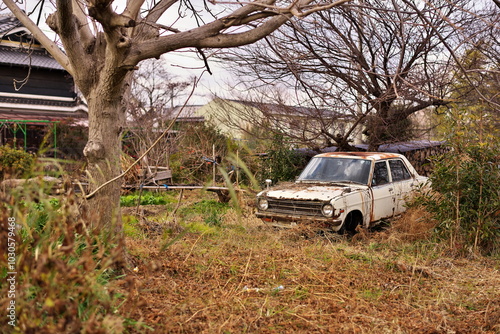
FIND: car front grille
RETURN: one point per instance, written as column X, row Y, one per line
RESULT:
column 295, row 207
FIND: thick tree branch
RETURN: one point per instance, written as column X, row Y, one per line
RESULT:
column 83, row 25
column 66, row 25
column 157, row 11
column 198, row 38
column 49, row 45
column 132, row 9
column 247, row 37
column 422, row 105
column 104, row 14
column 212, row 35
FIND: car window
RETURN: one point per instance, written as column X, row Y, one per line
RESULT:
column 326, row 169
column 380, row 174
column 399, row 172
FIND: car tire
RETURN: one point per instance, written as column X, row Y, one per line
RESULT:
column 352, row 220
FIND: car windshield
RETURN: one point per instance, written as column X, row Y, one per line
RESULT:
column 342, row 170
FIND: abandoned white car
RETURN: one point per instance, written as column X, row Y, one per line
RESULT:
column 340, row 191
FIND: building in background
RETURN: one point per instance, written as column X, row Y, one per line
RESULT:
column 239, row 119
column 36, row 93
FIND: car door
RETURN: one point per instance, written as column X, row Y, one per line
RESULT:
column 402, row 182
column 383, row 192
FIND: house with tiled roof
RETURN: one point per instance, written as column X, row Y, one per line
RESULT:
column 36, row 93
column 238, row 118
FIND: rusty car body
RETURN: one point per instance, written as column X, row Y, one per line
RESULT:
column 340, row 191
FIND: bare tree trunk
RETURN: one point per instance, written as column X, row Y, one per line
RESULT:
column 376, row 131
column 103, row 152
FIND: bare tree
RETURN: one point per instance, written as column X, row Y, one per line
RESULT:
column 383, row 60
column 102, row 48
column 478, row 77
column 154, row 92
column 154, row 89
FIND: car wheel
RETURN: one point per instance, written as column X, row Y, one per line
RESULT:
column 352, row 220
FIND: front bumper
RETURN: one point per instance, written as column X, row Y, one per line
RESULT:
column 271, row 217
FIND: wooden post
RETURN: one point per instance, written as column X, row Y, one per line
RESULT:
column 237, row 169
column 213, row 164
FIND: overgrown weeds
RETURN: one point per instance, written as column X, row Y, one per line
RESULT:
column 246, row 277
column 213, row 268
column 60, row 272
column 146, row 198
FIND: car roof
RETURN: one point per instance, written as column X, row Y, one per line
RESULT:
column 360, row 155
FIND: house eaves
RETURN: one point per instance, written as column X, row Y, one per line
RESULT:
column 295, row 111
column 23, row 102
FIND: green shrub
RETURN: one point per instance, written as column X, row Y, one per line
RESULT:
column 14, row 162
column 195, row 151
column 465, row 197
column 281, row 163
column 147, row 198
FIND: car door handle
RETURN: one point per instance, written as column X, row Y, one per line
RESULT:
column 391, row 189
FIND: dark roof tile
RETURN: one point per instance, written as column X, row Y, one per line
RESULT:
column 25, row 57
column 22, row 56
column 7, row 23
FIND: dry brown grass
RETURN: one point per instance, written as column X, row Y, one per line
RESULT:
column 245, row 277
column 413, row 225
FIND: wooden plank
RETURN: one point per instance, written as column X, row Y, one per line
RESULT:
column 168, row 187
column 162, row 175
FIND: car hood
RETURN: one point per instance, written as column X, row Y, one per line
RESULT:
column 301, row 191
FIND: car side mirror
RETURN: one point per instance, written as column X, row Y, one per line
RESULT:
column 268, row 183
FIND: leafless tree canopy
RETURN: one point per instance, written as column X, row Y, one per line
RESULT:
column 478, row 76
column 384, row 60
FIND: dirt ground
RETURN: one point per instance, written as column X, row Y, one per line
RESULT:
column 245, row 277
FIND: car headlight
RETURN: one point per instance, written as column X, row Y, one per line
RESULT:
column 263, row 204
column 327, row 210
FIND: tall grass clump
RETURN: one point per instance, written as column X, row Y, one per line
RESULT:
column 63, row 271
column 211, row 211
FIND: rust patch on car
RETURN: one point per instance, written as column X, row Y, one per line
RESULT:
column 363, row 155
